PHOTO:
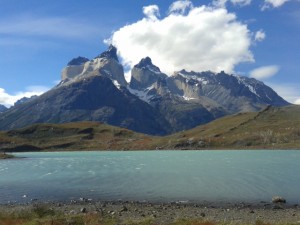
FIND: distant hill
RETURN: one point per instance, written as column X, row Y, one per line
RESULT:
column 72, row 136
column 272, row 128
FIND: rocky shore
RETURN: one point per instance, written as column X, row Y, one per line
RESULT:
column 167, row 213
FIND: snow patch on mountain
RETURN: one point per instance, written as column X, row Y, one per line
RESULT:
column 251, row 87
column 142, row 94
column 195, row 77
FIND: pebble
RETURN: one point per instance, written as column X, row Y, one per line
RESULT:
column 83, row 210
column 124, row 209
column 83, row 199
column 72, row 212
column 277, row 207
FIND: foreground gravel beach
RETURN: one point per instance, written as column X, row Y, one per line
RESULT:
column 166, row 213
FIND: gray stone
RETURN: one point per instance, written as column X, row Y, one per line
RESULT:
column 278, row 199
column 124, row 209
column 277, row 207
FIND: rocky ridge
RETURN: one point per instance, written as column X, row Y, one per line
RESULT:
column 25, row 99
column 2, row 108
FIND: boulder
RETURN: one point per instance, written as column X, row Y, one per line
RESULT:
column 278, row 199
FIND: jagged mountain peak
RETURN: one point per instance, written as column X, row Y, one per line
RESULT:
column 111, row 53
column 145, row 74
column 105, row 64
column 146, row 63
column 78, row 61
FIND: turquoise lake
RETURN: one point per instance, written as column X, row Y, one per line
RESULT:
column 157, row 176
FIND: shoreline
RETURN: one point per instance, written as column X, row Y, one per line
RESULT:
column 170, row 212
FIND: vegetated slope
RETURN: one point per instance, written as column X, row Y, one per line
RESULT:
column 72, row 136
column 272, row 128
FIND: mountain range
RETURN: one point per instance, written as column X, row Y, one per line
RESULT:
column 152, row 102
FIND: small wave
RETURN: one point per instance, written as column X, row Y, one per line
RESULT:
column 47, row 174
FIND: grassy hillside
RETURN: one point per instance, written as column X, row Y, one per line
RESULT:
column 272, row 128
column 72, row 136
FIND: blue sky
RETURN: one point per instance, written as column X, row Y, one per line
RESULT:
column 38, row 38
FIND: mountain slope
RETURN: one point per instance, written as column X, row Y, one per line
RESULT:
column 93, row 98
column 233, row 93
column 2, row 108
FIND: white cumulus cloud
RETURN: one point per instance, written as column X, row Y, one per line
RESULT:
column 180, row 6
column 264, row 72
column 203, row 38
column 151, row 12
column 260, row 35
column 297, row 102
column 222, row 3
column 241, row 2
column 273, row 3
column 9, row 99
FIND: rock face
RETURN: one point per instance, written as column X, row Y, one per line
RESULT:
column 2, row 108
column 152, row 103
column 234, row 93
column 106, row 64
column 145, row 74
